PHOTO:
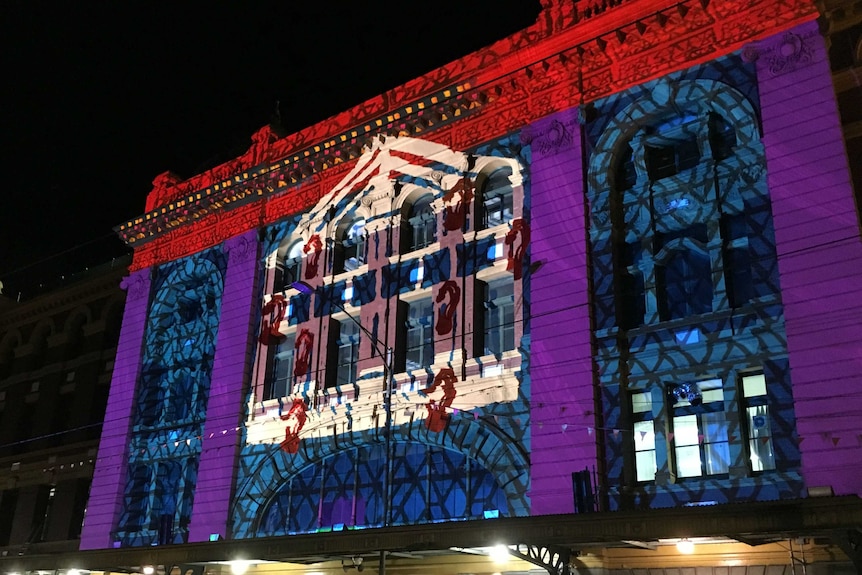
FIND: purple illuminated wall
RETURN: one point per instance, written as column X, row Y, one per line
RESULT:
column 819, row 253
column 109, row 478
column 231, row 367
column 563, row 434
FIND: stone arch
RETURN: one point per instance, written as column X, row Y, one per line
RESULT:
column 73, row 329
column 668, row 98
column 77, row 318
column 486, row 165
column 10, row 341
column 38, row 340
column 112, row 319
column 507, row 462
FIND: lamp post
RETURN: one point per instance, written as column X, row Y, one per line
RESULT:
column 388, row 378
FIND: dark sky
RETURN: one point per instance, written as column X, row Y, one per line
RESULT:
column 97, row 98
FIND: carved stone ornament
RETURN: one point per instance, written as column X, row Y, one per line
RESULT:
column 137, row 285
column 787, row 54
column 553, row 138
column 240, row 249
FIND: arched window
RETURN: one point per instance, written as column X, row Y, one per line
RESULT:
column 420, row 226
column 350, row 246
column 429, row 484
column 292, row 265
column 495, row 202
column 666, row 216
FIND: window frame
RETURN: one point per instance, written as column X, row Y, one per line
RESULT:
column 291, row 265
column 486, row 307
column 684, row 411
column 750, row 405
column 408, row 324
column 340, row 339
column 419, row 229
column 503, row 194
column 280, row 357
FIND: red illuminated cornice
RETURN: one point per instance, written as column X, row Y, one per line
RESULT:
column 576, row 52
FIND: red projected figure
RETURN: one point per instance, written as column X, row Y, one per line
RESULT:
column 315, row 246
column 437, row 415
column 517, row 239
column 295, row 419
column 272, row 315
column 446, row 317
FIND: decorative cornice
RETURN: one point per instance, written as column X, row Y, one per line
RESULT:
column 97, row 284
column 555, row 65
column 233, row 189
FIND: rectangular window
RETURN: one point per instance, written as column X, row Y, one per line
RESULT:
column 498, row 208
column 282, row 368
column 291, row 272
column 757, row 422
column 497, row 198
column 644, row 436
column 343, row 353
column 497, row 316
column 700, row 429
column 419, row 340
column 684, row 274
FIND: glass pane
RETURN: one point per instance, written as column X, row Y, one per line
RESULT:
column 644, row 435
column 711, row 390
column 685, row 430
column 645, row 465
column 753, row 385
column 685, row 436
column 642, row 403
column 717, row 458
column 499, row 317
column 282, row 368
column 688, row 461
column 497, row 198
column 760, row 438
column 686, row 279
column 714, row 427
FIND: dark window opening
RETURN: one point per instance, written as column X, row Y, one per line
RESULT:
column 416, row 320
column 678, row 155
column 420, row 228
column 497, row 198
column 631, row 306
column 625, row 175
column 281, row 383
column 684, row 278
column 722, row 137
column 737, row 260
column 495, row 319
column 343, row 353
column 350, row 247
column 844, row 48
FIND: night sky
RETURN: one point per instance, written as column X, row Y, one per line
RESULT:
column 98, row 98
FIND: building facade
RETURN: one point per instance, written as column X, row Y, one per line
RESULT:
column 56, row 358
column 607, row 264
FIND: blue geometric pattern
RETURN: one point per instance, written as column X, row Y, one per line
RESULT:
column 341, row 477
column 171, row 400
column 684, row 279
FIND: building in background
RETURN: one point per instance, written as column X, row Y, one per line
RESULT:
column 589, row 292
column 56, row 358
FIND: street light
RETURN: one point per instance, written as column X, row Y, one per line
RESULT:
column 389, row 380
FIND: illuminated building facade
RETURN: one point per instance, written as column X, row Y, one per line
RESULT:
column 599, row 266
